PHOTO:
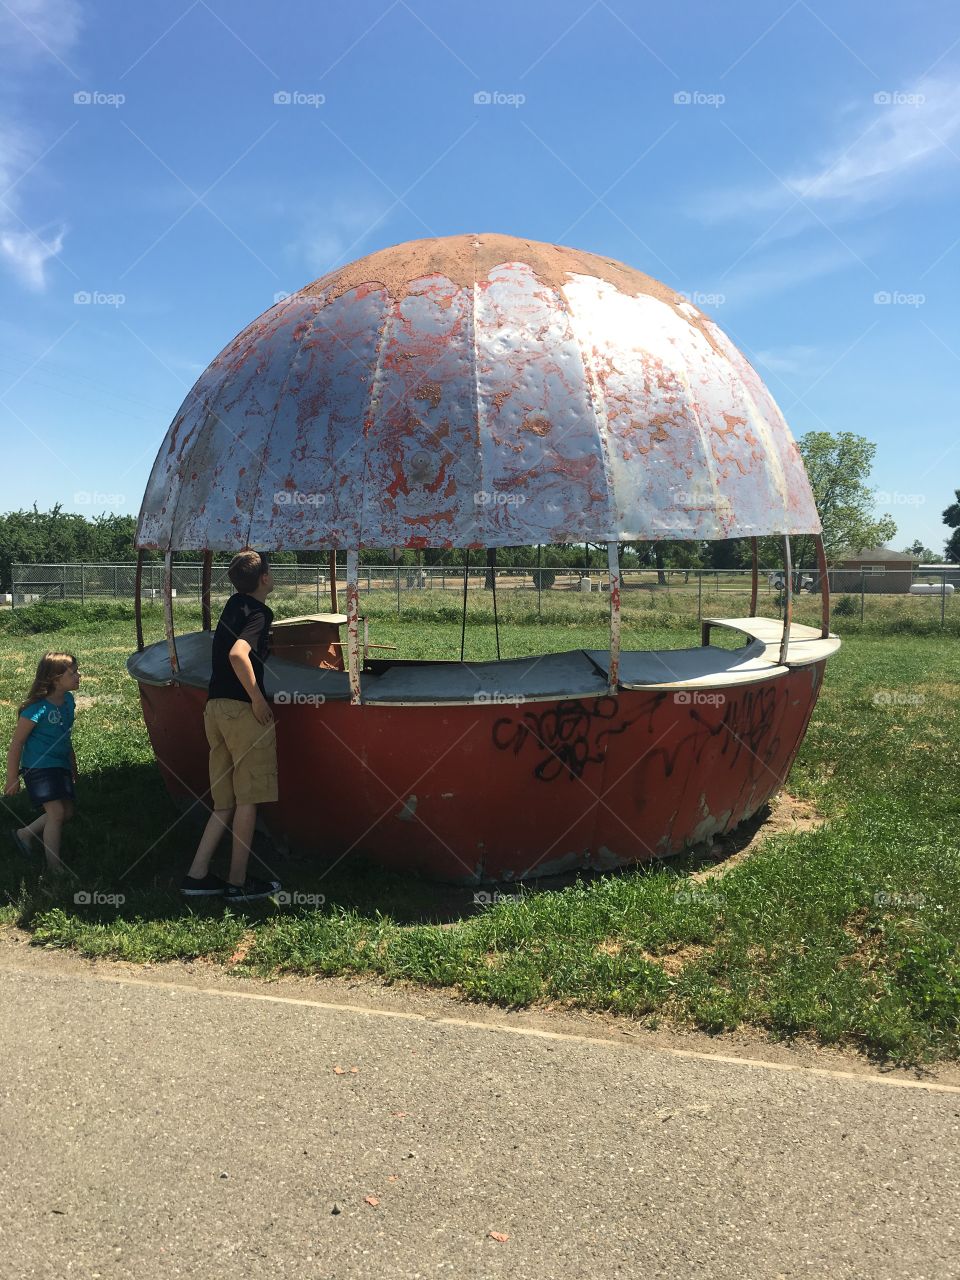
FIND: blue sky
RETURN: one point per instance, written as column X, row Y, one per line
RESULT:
column 794, row 168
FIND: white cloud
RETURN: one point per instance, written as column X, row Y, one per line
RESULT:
column 30, row 30
column 896, row 138
column 343, row 233
column 27, row 253
column 886, row 147
column 785, row 271
column 36, row 29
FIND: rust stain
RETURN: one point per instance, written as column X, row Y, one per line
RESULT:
column 536, row 423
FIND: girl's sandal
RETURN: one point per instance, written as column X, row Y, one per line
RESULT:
column 23, row 849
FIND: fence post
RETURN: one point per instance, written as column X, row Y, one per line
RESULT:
column 861, row 592
column 398, row 589
column 943, row 599
column 699, row 594
column 81, row 582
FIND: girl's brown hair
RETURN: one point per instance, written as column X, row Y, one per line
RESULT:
column 49, row 668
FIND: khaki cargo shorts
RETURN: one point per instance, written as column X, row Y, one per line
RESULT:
column 243, row 754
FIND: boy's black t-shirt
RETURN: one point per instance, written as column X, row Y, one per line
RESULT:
column 243, row 618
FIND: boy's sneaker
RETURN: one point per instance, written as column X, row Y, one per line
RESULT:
column 251, row 890
column 206, row 887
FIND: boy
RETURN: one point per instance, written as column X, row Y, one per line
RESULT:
column 240, row 730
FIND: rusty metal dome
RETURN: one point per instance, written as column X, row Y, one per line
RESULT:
column 477, row 390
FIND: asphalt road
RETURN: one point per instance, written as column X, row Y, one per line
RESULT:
column 175, row 1122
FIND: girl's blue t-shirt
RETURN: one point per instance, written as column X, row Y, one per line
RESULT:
column 48, row 746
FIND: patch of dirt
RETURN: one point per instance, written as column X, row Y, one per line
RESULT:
column 785, row 815
column 673, row 962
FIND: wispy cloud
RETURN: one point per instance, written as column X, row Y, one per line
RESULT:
column 783, row 271
column 790, row 359
column 888, row 142
column 341, row 235
column 24, row 251
column 30, row 31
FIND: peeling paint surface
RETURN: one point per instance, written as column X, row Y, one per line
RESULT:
column 475, row 391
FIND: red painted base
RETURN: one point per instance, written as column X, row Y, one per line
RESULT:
column 490, row 792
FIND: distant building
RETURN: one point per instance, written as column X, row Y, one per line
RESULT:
column 881, row 570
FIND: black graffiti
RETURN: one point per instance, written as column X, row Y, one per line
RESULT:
column 572, row 734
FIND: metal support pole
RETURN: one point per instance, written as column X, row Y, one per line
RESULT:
column 943, row 599
column 824, row 588
column 862, row 587
column 463, row 625
column 205, row 581
column 138, row 602
column 492, row 568
column 754, row 576
column 353, row 623
column 168, row 612
column 613, row 669
column 333, row 581
column 539, row 576
column 699, row 594
column 787, row 601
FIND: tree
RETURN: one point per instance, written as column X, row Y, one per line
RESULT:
column 951, row 518
column 838, row 467
column 922, row 553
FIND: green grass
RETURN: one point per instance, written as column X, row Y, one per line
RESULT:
column 849, row 933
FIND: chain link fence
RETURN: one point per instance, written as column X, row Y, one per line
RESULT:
column 860, row 593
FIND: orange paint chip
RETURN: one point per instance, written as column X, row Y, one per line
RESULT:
column 372, row 1200
column 499, row 1236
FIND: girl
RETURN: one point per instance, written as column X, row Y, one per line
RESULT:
column 42, row 751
